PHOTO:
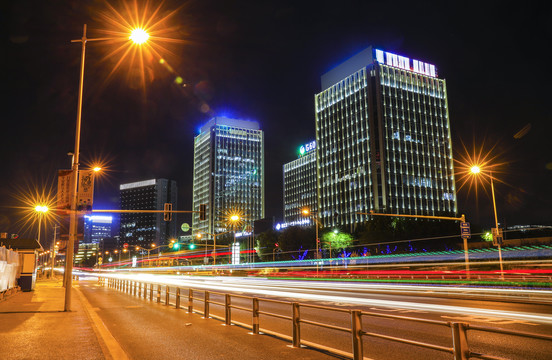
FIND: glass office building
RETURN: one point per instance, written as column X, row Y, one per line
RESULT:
column 300, row 186
column 228, row 172
column 383, row 136
column 143, row 229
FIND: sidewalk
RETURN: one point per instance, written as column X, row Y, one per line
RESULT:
column 106, row 324
column 33, row 325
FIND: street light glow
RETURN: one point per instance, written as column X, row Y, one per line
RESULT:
column 41, row 208
column 139, row 36
column 475, row 169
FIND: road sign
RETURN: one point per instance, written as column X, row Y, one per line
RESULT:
column 125, row 245
column 185, row 227
column 465, row 231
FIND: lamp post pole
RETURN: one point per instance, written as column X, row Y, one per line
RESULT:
column 496, row 225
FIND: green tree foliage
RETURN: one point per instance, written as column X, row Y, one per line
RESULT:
column 337, row 239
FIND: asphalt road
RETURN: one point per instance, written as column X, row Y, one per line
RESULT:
column 466, row 305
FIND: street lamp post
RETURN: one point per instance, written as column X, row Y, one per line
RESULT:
column 307, row 212
column 214, row 242
column 476, row 170
column 69, row 254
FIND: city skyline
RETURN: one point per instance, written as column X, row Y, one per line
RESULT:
column 270, row 76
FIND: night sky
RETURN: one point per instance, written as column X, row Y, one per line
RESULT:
column 262, row 60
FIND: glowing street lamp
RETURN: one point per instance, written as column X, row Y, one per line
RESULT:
column 75, row 171
column 41, row 210
column 307, row 212
column 139, row 36
column 476, row 170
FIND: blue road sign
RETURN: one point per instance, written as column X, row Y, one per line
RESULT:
column 465, row 231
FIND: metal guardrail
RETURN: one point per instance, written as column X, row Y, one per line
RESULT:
column 460, row 348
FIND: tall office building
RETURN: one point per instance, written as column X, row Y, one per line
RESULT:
column 228, row 172
column 300, row 186
column 143, row 229
column 383, row 137
column 97, row 228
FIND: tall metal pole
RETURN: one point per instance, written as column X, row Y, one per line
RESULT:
column 53, row 264
column 73, row 222
column 496, row 225
column 317, row 241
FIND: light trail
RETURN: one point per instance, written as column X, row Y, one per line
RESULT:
column 307, row 291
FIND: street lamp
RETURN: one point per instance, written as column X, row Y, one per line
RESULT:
column 307, row 212
column 41, row 210
column 476, row 170
column 198, row 235
column 75, row 169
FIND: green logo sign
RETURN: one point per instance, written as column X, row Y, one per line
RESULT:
column 185, row 227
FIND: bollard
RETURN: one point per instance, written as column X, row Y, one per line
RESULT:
column 460, row 345
column 356, row 331
column 227, row 309
column 255, row 314
column 296, row 329
column 206, row 305
column 167, row 295
column 158, row 293
column 190, row 301
column 177, row 298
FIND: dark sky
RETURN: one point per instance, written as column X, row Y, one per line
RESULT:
column 262, row 60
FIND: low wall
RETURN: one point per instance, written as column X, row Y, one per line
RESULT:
column 9, row 267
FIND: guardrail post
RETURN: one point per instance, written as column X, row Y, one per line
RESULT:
column 158, row 293
column 134, row 288
column 206, row 305
column 145, row 291
column 296, row 328
column 190, row 301
column 178, row 298
column 255, row 314
column 356, row 330
column 139, row 289
column 227, row 309
column 151, row 292
column 167, row 294
column 460, row 345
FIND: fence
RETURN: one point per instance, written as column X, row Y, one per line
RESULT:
column 459, row 345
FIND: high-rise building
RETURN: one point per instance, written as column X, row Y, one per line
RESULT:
column 97, row 228
column 143, row 229
column 383, row 139
column 228, row 172
column 300, row 186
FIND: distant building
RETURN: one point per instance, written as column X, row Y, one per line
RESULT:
column 300, row 186
column 97, row 228
column 228, row 172
column 383, row 140
column 143, row 229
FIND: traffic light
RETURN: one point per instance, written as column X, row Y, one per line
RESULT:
column 167, row 215
column 202, row 208
column 191, row 246
column 176, row 246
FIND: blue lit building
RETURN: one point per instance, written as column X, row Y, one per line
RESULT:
column 228, row 172
column 383, row 140
column 97, row 228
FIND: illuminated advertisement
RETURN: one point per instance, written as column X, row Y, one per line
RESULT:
column 402, row 62
column 304, row 149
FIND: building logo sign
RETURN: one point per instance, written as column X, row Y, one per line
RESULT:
column 402, row 62
column 307, row 148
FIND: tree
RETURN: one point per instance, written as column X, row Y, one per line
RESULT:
column 336, row 240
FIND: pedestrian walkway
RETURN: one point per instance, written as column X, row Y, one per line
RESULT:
column 33, row 325
column 105, row 324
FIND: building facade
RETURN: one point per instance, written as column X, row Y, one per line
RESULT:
column 143, row 229
column 383, row 137
column 228, row 173
column 97, row 228
column 300, row 186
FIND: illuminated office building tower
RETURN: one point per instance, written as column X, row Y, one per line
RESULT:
column 97, row 228
column 228, row 173
column 300, row 186
column 143, row 229
column 383, row 137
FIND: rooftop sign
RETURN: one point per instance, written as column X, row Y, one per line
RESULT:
column 307, row 148
column 402, row 62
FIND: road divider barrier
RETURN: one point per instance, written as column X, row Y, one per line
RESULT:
column 459, row 349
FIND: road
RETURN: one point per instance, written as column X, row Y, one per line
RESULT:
column 421, row 302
